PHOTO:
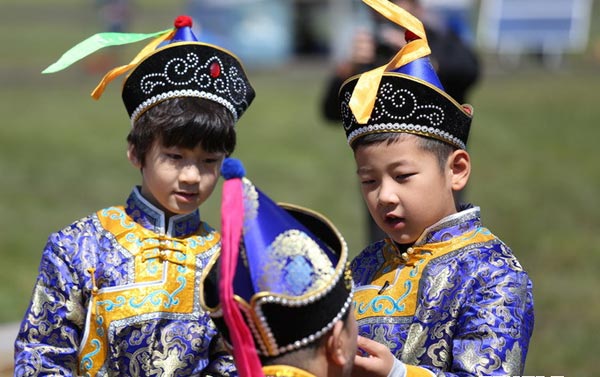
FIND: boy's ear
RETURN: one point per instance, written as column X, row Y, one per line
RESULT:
column 460, row 169
column 132, row 157
column 335, row 345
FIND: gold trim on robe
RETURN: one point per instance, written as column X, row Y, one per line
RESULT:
column 164, row 283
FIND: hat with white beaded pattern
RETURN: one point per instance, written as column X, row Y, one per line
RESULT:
column 174, row 64
column 404, row 95
column 184, row 67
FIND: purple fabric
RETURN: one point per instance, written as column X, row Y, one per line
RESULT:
column 53, row 326
column 474, row 312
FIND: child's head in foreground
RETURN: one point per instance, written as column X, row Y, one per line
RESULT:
column 184, row 100
column 279, row 262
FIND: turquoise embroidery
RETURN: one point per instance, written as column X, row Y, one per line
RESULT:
column 415, row 270
column 109, row 305
column 118, row 214
column 86, row 360
column 377, row 304
column 479, row 230
column 99, row 322
column 181, row 256
column 152, row 266
column 199, row 241
column 134, row 238
column 151, row 263
column 202, row 240
column 156, row 298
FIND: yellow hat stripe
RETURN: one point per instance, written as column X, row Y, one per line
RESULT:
column 115, row 72
column 365, row 91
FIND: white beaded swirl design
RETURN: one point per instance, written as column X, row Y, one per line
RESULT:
column 178, row 94
column 408, row 128
column 228, row 88
column 304, row 341
column 252, row 325
column 399, row 105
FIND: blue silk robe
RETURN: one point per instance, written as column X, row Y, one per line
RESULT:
column 117, row 294
column 456, row 303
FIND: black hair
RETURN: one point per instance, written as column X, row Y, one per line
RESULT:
column 184, row 122
column 440, row 149
column 300, row 356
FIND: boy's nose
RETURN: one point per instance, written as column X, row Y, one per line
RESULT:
column 387, row 193
column 190, row 174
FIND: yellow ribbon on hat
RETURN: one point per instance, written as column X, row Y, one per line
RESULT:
column 117, row 71
column 365, row 92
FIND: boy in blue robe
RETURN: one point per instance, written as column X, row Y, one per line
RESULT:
column 441, row 295
column 117, row 291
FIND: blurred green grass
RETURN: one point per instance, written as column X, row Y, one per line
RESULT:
column 534, row 146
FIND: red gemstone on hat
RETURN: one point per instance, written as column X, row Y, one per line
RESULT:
column 410, row 36
column 183, row 21
column 215, row 70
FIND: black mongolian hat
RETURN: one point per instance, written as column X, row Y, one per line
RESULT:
column 175, row 64
column 282, row 279
column 404, row 95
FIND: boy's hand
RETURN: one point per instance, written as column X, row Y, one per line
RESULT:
column 379, row 361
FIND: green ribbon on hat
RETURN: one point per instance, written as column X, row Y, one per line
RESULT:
column 95, row 43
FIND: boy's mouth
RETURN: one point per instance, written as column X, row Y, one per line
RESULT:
column 186, row 195
column 394, row 221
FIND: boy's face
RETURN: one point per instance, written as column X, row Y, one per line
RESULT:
column 178, row 180
column 404, row 187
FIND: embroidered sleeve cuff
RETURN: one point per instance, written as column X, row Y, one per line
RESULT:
column 398, row 369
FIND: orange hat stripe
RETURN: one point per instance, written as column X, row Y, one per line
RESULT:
column 115, row 72
column 365, row 93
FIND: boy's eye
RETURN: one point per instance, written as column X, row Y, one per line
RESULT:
column 211, row 160
column 174, row 156
column 402, row 177
column 367, row 181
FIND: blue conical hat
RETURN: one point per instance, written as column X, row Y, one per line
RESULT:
column 419, row 68
column 288, row 262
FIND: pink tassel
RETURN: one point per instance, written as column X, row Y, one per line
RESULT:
column 232, row 222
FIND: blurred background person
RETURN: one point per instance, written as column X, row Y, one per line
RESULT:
column 115, row 16
column 259, row 31
column 456, row 15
